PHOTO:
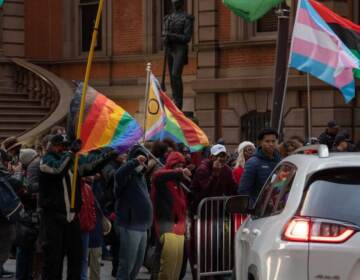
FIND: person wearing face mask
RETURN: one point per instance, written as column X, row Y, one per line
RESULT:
column 133, row 213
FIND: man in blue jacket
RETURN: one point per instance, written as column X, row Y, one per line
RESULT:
column 133, row 213
column 259, row 167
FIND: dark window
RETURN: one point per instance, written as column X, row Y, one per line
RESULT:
column 268, row 23
column 272, row 199
column 334, row 194
column 88, row 11
column 252, row 123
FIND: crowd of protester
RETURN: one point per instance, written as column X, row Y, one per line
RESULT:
column 140, row 204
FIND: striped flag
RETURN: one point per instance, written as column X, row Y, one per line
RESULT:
column 105, row 124
column 165, row 120
column 318, row 50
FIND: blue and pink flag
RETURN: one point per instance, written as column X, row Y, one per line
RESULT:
column 317, row 49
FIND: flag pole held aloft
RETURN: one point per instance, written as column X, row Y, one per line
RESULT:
column 323, row 45
column 83, row 98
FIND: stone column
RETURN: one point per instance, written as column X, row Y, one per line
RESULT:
column 207, row 64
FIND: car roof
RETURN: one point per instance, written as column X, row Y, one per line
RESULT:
column 312, row 163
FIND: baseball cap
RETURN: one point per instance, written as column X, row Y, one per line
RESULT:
column 217, row 149
column 332, row 124
column 59, row 139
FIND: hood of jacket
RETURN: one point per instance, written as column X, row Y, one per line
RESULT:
column 136, row 151
column 173, row 159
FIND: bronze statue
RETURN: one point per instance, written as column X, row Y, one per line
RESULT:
column 178, row 29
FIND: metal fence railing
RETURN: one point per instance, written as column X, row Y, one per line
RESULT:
column 215, row 231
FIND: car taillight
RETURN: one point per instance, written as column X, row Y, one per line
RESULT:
column 316, row 230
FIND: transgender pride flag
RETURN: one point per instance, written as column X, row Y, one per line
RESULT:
column 316, row 49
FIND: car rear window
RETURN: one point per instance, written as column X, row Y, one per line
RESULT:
column 334, row 194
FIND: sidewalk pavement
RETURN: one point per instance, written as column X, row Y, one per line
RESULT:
column 105, row 271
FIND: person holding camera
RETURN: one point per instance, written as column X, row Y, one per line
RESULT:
column 133, row 213
column 60, row 227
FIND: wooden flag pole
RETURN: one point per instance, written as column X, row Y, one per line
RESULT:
column 147, row 88
column 83, row 98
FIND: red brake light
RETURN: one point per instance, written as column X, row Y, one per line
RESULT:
column 313, row 230
column 297, row 230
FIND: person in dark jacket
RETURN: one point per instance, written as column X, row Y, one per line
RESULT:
column 169, row 203
column 340, row 144
column 60, row 227
column 11, row 210
column 213, row 177
column 328, row 136
column 133, row 213
column 261, row 165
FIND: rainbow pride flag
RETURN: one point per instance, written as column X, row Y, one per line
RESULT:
column 105, row 124
column 325, row 45
column 165, row 120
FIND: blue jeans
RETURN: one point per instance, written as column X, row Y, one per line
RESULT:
column 24, row 263
column 131, row 253
column 85, row 255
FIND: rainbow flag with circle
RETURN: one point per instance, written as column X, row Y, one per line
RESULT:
column 165, row 120
column 106, row 124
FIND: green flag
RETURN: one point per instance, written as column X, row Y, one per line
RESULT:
column 1, row 3
column 251, row 10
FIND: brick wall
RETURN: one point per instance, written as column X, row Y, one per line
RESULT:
column 249, row 56
column 128, row 27
column 224, row 27
column 43, row 29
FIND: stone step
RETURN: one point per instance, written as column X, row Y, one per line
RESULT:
column 19, row 101
column 35, row 116
column 7, row 82
column 23, row 108
column 4, row 133
column 11, row 95
column 4, row 88
column 22, row 124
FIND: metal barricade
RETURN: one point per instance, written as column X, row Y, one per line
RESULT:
column 215, row 231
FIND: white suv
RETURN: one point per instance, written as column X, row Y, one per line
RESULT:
column 306, row 222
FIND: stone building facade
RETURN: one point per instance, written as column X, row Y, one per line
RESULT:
column 229, row 78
